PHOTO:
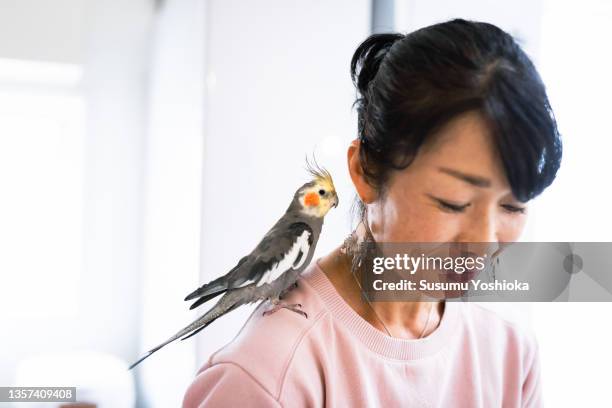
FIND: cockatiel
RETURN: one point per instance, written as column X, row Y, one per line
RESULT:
column 273, row 267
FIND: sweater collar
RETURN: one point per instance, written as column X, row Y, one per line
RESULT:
column 377, row 341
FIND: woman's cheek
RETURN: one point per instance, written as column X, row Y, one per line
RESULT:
column 511, row 227
column 424, row 225
column 440, row 228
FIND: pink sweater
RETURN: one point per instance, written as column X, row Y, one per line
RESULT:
column 337, row 359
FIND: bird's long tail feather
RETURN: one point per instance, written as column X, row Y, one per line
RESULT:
column 205, row 299
column 214, row 287
column 203, row 327
column 226, row 304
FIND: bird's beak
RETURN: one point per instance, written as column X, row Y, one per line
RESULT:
column 336, row 202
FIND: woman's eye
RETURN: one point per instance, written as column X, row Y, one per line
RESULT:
column 321, row 192
column 513, row 209
column 445, row 205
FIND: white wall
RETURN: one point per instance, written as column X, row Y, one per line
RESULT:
column 42, row 30
column 278, row 87
column 521, row 18
column 173, row 189
column 575, row 65
column 114, row 88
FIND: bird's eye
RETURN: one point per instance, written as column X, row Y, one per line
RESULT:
column 321, row 192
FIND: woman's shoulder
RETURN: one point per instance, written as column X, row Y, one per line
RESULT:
column 267, row 344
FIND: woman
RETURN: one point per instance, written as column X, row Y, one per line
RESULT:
column 456, row 135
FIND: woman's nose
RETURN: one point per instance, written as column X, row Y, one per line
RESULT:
column 480, row 227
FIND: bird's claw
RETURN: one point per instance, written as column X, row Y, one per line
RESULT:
column 294, row 307
column 289, row 289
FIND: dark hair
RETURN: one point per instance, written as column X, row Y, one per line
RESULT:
column 411, row 85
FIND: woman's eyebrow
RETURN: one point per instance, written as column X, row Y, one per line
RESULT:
column 477, row 181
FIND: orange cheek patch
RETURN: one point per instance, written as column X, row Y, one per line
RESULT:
column 311, row 199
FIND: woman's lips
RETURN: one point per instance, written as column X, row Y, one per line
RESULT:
column 465, row 274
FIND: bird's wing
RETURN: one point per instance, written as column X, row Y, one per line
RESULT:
column 282, row 248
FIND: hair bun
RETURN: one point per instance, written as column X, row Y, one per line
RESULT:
column 368, row 56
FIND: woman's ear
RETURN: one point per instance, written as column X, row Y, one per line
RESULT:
column 366, row 192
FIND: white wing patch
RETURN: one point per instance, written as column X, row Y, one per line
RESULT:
column 300, row 245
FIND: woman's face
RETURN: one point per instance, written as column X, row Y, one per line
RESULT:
column 455, row 190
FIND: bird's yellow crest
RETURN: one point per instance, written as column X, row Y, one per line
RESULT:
column 320, row 174
column 320, row 194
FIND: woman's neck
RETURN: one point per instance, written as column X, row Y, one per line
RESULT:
column 401, row 319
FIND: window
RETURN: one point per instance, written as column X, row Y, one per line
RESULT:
column 41, row 188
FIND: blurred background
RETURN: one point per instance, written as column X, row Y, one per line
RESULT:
column 145, row 145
